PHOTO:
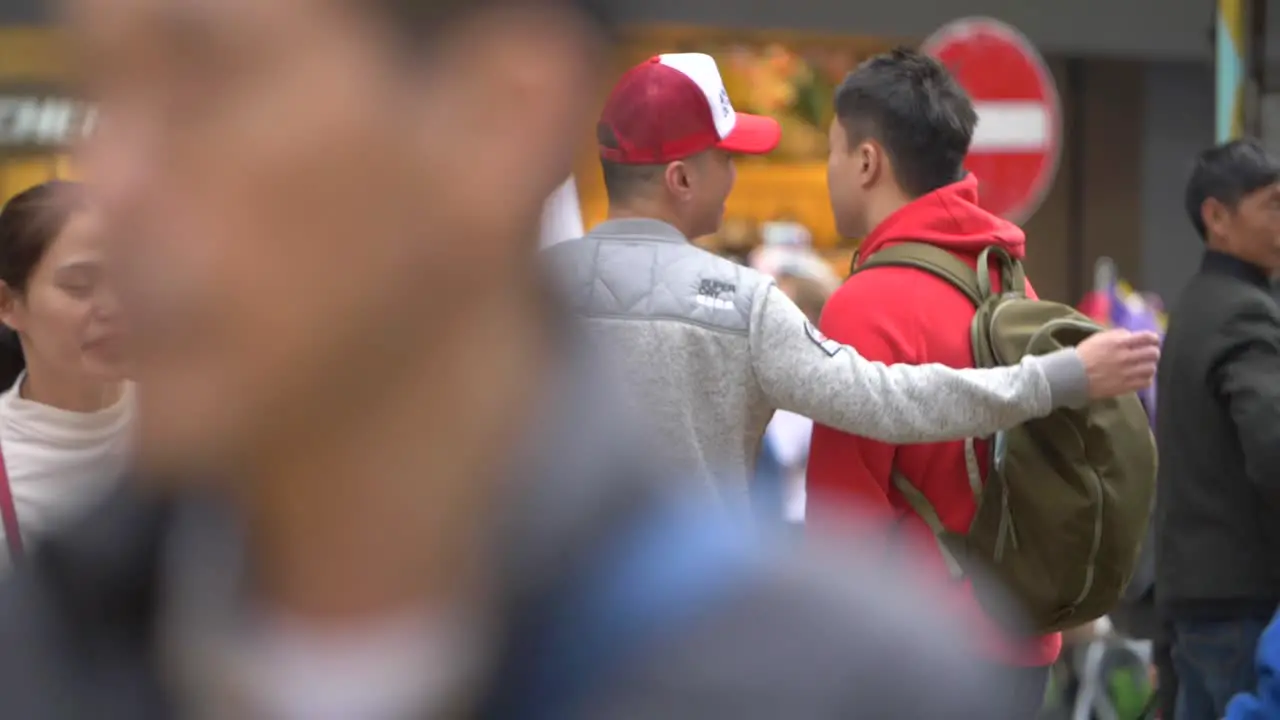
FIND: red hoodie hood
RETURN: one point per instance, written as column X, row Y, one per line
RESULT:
column 948, row 217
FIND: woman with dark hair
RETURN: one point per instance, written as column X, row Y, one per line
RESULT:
column 65, row 411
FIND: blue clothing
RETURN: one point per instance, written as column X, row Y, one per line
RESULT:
column 1214, row 661
column 767, row 485
column 1265, row 704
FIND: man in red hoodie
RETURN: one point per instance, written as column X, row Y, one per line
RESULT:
column 901, row 133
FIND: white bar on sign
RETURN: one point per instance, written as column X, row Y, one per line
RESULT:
column 1010, row 126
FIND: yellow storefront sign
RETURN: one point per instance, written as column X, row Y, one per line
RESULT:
column 36, row 122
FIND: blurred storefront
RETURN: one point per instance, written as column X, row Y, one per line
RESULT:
column 1093, row 209
column 38, row 119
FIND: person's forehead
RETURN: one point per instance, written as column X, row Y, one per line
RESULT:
column 1266, row 192
column 78, row 242
column 196, row 17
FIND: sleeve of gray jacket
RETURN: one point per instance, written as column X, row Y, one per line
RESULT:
column 800, row 370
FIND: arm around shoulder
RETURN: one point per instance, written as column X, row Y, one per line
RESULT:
column 803, row 371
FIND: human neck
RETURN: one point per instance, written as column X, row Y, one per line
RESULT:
column 388, row 514
column 646, row 209
column 883, row 205
column 1226, row 247
column 42, row 386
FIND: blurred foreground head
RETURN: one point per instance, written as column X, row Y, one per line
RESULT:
column 307, row 195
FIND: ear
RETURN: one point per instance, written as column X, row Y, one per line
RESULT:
column 678, row 178
column 870, row 161
column 10, row 308
column 1215, row 216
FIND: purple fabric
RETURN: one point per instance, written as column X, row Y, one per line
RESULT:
column 1133, row 312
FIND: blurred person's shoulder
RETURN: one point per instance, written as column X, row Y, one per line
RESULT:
column 769, row 636
column 77, row 618
column 776, row 635
column 811, row 634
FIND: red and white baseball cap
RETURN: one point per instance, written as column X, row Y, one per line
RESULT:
column 673, row 106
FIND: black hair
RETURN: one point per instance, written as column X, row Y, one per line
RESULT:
column 623, row 180
column 30, row 222
column 911, row 105
column 1227, row 173
column 12, row 360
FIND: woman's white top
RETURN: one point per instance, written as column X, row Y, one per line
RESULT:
column 60, row 463
column 393, row 668
column 562, row 215
column 788, row 435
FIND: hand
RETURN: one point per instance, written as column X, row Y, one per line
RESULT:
column 1118, row 362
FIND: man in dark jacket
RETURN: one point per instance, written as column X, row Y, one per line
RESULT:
column 374, row 482
column 1218, row 430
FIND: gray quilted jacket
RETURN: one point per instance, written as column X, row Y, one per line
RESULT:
column 710, row 349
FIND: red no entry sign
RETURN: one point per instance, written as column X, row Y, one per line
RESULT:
column 1018, row 140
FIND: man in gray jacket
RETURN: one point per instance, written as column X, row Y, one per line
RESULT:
column 713, row 348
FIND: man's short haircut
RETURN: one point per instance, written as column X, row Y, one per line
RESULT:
column 911, row 105
column 1227, row 173
column 622, row 181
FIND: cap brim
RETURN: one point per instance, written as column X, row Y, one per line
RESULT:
column 752, row 135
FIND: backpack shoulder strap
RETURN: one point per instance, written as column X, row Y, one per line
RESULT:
column 954, row 271
column 933, row 260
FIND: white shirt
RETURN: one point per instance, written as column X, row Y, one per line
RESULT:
column 401, row 667
column 788, row 436
column 228, row 655
column 562, row 215
column 59, row 462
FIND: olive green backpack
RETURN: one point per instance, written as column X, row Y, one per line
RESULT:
column 1064, row 507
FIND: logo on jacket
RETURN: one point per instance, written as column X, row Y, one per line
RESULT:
column 828, row 346
column 715, row 294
